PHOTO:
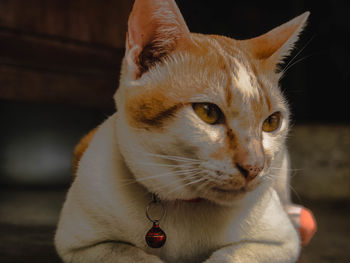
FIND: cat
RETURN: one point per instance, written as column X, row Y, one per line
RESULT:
column 200, row 130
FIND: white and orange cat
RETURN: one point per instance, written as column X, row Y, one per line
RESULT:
column 200, row 117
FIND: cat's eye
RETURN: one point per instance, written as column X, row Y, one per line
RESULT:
column 208, row 112
column 272, row 123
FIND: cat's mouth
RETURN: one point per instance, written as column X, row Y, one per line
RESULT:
column 226, row 192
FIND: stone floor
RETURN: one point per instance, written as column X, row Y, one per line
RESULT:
column 28, row 219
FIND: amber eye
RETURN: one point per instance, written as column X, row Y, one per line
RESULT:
column 208, row 112
column 272, row 123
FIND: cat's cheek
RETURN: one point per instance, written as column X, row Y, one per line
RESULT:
column 191, row 132
column 270, row 146
column 268, row 143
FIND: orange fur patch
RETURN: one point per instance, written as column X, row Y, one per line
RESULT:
column 80, row 149
column 150, row 110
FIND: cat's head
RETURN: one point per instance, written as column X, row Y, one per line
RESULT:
column 200, row 115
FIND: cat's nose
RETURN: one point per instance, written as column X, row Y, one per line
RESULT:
column 250, row 159
column 250, row 171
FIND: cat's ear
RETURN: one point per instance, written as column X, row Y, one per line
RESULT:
column 155, row 29
column 271, row 48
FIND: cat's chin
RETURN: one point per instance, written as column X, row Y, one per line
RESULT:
column 214, row 194
column 228, row 197
column 225, row 197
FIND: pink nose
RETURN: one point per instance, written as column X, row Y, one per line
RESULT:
column 250, row 171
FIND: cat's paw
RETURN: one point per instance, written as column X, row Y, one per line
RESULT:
column 222, row 257
column 152, row 259
column 221, row 260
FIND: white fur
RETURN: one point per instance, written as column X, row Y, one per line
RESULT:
column 244, row 80
column 103, row 218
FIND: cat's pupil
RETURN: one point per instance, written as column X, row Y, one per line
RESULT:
column 210, row 111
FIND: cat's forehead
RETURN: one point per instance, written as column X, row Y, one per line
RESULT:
column 233, row 78
column 214, row 71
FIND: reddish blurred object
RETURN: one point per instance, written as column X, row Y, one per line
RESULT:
column 308, row 226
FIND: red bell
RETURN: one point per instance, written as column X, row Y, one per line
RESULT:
column 155, row 237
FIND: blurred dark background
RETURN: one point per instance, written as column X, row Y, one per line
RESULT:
column 59, row 68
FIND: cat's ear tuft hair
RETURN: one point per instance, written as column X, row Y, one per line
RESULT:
column 273, row 46
column 155, row 29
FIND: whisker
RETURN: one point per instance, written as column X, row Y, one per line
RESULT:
column 295, row 192
column 175, row 158
column 203, row 185
column 267, row 177
column 169, row 174
column 273, row 176
column 295, row 62
column 299, row 52
column 170, row 157
column 187, row 184
column 165, row 165
column 284, row 169
column 294, row 173
column 191, row 176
